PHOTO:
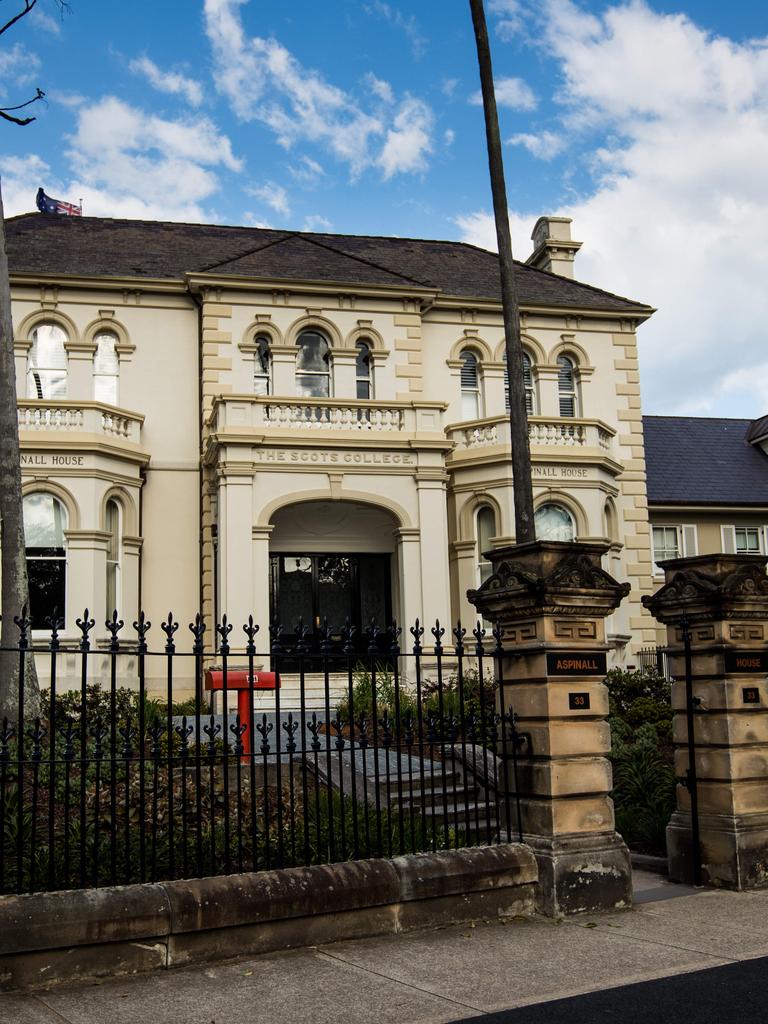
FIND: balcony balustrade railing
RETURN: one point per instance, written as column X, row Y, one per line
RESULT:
column 296, row 414
column 542, row 431
column 79, row 418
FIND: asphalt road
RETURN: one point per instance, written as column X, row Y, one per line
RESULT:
column 720, row 995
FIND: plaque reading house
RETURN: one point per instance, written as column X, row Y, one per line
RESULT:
column 576, row 663
column 746, row 661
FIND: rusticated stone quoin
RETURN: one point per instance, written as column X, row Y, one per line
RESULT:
column 551, row 599
column 723, row 600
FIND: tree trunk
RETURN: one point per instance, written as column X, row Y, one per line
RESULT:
column 15, row 589
column 518, row 418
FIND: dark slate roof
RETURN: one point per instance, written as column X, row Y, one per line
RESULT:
column 696, row 461
column 101, row 247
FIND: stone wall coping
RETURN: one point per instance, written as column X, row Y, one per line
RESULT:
column 89, row 917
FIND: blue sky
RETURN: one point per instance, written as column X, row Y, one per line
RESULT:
column 647, row 123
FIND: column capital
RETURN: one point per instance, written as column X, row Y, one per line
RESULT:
column 708, row 588
column 562, row 578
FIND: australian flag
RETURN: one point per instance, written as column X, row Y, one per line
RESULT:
column 47, row 205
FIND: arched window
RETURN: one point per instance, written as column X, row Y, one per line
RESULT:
column 486, row 529
column 527, row 384
column 112, row 524
column 47, row 363
column 363, row 370
column 470, row 387
column 553, row 522
column 45, row 520
column 566, row 386
column 262, row 361
column 106, row 368
column 313, row 366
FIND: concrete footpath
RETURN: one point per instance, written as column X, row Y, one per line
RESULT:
column 431, row 977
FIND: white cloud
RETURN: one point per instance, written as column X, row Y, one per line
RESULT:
column 21, row 178
column 127, row 162
column 40, row 19
column 264, row 82
column 408, row 25
column 448, row 87
column 680, row 196
column 306, row 170
column 316, row 222
column 408, row 142
column 378, row 87
column 544, row 146
column 449, row 136
column 19, row 67
column 168, row 81
column 273, row 195
column 509, row 17
column 510, row 92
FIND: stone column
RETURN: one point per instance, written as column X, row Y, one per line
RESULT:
column 551, row 600
column 723, row 599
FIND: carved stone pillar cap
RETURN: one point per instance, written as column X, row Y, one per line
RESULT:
column 564, row 578
column 709, row 587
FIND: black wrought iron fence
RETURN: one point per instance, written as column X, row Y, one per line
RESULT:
column 130, row 769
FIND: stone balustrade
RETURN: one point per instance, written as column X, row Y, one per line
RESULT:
column 69, row 417
column 286, row 415
column 543, row 432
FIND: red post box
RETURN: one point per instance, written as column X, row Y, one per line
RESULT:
column 244, row 683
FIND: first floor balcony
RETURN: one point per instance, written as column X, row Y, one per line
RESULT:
column 73, row 421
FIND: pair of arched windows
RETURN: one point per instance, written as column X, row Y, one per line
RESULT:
column 552, row 521
column 45, row 523
column 471, row 391
column 47, row 365
column 313, row 367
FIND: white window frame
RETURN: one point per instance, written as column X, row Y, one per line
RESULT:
column 259, row 373
column 470, row 395
column 36, row 373
column 98, row 377
column 117, row 562
column 728, row 539
column 483, row 568
column 687, row 542
column 568, row 394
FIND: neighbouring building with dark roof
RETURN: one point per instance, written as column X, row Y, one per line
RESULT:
column 707, row 485
column 294, row 425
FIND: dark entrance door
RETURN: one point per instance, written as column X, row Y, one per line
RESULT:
column 333, row 589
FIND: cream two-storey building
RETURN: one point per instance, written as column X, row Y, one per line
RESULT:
column 252, row 421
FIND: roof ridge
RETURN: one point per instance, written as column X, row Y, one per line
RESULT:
column 248, row 252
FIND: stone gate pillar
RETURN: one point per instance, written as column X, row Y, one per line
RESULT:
column 551, row 600
column 724, row 599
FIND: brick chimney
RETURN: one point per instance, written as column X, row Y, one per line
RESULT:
column 553, row 249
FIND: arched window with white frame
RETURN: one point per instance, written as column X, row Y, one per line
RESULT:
column 554, row 522
column 113, row 523
column 47, row 363
column 470, row 386
column 566, row 386
column 106, row 368
column 313, row 365
column 45, row 520
column 262, row 366
column 364, row 370
column 530, row 394
column 485, row 519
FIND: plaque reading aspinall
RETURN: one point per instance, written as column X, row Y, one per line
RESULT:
column 576, row 663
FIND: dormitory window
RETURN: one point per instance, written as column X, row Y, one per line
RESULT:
column 486, row 529
column 47, row 365
column 553, row 522
column 744, row 540
column 363, row 375
column 261, row 366
column 527, row 384
column 470, row 387
column 45, row 521
column 672, row 542
column 106, row 369
column 313, row 366
column 113, row 556
column 566, row 386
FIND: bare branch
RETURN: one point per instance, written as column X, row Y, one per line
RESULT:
column 7, row 116
column 28, row 5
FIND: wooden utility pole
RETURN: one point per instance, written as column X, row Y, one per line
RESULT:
column 518, row 418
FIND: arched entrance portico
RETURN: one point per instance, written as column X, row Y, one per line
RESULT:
column 334, row 562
